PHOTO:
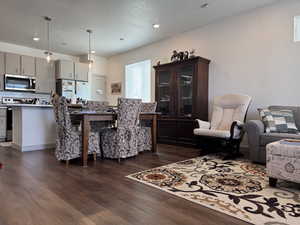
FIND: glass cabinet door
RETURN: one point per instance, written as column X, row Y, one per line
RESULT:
column 185, row 90
column 164, row 92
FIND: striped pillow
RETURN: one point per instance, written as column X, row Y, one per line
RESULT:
column 280, row 121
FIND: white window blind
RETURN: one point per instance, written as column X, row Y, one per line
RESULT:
column 138, row 80
column 297, row 28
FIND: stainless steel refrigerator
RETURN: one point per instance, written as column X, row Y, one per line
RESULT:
column 66, row 88
column 82, row 90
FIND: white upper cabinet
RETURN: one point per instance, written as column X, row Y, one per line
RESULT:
column 45, row 77
column 27, row 65
column 12, row 64
column 19, row 65
column 64, row 69
column 81, row 71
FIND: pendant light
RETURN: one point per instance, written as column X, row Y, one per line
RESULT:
column 48, row 52
column 90, row 61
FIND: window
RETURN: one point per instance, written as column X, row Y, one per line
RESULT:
column 297, row 28
column 138, row 80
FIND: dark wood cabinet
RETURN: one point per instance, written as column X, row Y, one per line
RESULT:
column 182, row 97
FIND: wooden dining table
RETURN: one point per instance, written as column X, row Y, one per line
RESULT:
column 86, row 117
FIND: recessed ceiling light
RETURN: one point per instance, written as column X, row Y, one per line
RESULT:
column 156, row 26
column 36, row 39
column 205, row 5
column 93, row 51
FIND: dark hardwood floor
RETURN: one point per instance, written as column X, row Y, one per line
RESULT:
column 35, row 189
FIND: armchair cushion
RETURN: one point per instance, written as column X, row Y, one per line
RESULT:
column 203, row 124
column 212, row 133
column 227, row 109
column 235, row 132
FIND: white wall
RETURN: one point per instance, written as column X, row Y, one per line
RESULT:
column 99, row 68
column 253, row 53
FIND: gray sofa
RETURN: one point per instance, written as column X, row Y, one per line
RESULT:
column 258, row 139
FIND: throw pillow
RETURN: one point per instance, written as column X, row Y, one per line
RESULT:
column 281, row 121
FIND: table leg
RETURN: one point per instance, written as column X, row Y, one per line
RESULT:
column 154, row 134
column 85, row 139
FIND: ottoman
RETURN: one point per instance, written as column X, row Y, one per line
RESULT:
column 283, row 161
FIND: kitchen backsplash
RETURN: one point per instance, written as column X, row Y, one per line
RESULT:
column 45, row 97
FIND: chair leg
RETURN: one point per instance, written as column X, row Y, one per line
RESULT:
column 101, row 149
column 205, row 146
column 67, row 163
column 95, row 156
column 119, row 160
column 233, row 150
column 238, row 153
column 272, row 182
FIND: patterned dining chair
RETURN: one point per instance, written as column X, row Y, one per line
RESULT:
column 145, row 134
column 69, row 139
column 121, row 142
column 98, row 106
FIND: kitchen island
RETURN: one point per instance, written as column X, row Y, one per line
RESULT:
column 33, row 127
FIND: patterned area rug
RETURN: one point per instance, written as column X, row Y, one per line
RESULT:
column 236, row 188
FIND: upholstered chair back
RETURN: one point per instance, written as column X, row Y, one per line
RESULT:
column 229, row 108
column 148, row 107
column 97, row 106
column 62, row 115
column 128, row 112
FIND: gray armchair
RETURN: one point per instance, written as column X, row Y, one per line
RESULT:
column 258, row 138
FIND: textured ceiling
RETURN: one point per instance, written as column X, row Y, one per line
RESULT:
column 110, row 20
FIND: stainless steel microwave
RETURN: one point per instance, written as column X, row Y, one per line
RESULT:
column 19, row 83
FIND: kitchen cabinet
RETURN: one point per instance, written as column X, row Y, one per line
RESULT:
column 27, row 65
column 64, row 69
column 45, row 77
column 81, row 71
column 3, row 123
column 2, row 71
column 12, row 63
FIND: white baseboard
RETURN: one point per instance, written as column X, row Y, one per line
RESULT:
column 32, row 147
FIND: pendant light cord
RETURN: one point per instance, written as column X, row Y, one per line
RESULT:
column 48, row 20
column 48, row 35
column 90, row 51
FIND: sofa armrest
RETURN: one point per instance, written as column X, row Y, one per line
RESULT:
column 203, row 124
column 254, row 129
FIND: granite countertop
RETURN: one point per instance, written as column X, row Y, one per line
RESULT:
column 26, row 105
